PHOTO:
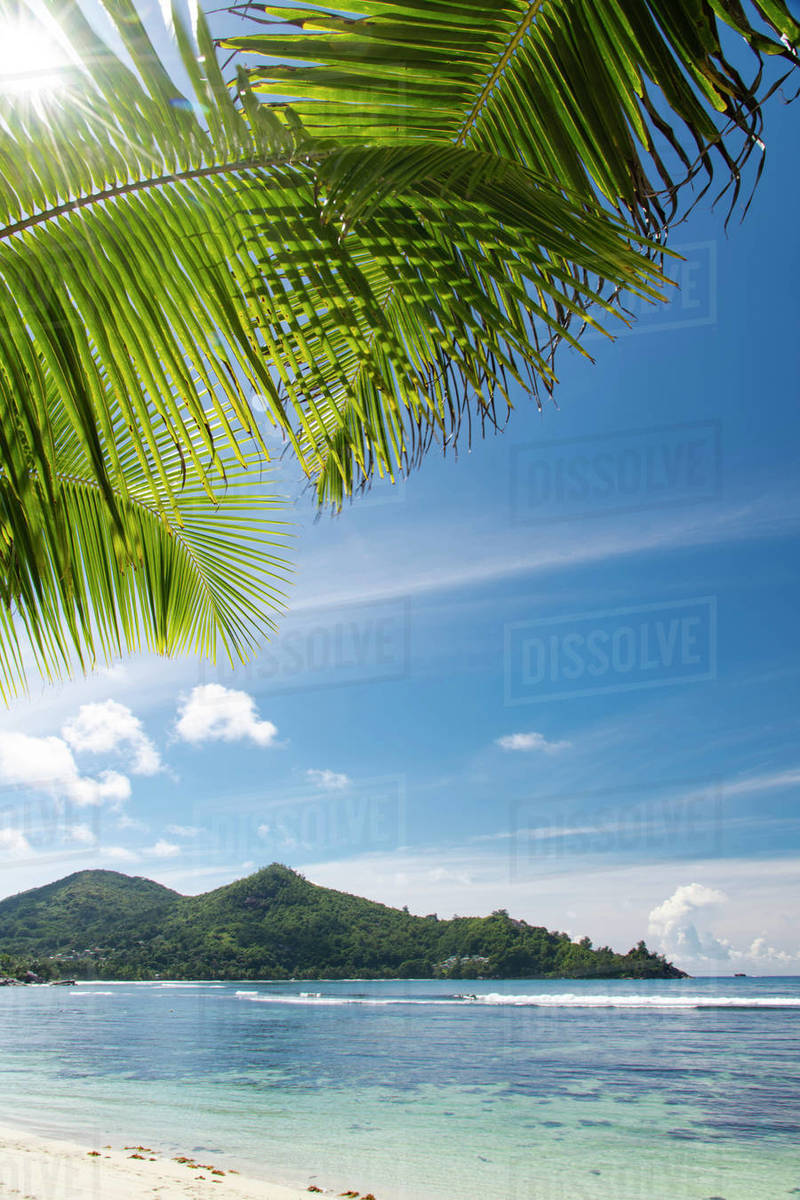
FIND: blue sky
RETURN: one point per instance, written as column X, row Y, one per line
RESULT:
column 558, row 674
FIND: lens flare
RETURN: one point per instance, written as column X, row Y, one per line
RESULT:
column 32, row 62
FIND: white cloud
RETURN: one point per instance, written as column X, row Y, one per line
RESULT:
column 109, row 785
column 13, row 842
column 186, row 831
column 81, row 834
column 164, row 849
column 120, row 854
column 672, row 922
column 108, row 727
column 753, row 784
column 762, row 953
column 126, row 822
column 46, row 763
column 669, row 915
column 216, row 713
column 530, row 741
column 450, row 554
column 329, row 781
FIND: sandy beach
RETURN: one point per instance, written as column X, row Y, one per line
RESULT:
column 36, row 1168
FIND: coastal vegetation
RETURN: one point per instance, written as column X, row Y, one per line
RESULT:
column 275, row 924
column 354, row 238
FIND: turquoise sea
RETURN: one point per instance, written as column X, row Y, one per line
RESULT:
column 527, row 1090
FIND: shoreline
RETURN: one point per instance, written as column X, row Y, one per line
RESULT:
column 33, row 1167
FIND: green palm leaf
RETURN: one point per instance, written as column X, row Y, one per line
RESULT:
column 206, row 575
column 440, row 276
column 127, row 359
column 623, row 99
column 170, row 256
column 377, row 269
column 609, row 104
column 120, row 247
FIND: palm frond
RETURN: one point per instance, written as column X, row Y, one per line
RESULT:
column 171, row 256
column 438, row 278
column 207, row 574
column 120, row 250
column 379, row 263
column 622, row 99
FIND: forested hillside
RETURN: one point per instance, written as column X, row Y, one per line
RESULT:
column 276, row 925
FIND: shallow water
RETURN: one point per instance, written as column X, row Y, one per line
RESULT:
column 530, row 1090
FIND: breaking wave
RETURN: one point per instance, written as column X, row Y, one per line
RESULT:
column 532, row 1000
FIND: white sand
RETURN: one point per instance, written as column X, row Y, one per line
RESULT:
column 35, row 1168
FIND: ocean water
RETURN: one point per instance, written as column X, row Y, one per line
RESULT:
column 527, row 1090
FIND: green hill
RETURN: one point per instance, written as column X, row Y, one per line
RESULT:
column 275, row 924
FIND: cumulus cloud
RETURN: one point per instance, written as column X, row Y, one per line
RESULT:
column 214, row 713
column 111, row 727
column 14, row 843
column 673, row 922
column 329, row 781
column 762, row 954
column 530, row 741
column 666, row 917
column 186, row 831
column 46, row 764
column 164, row 849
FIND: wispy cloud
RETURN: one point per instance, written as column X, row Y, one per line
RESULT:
column 751, row 785
column 329, row 781
column 450, row 558
column 81, row 834
column 525, row 742
column 185, row 831
column 124, row 821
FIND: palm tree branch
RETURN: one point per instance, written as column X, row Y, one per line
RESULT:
column 560, row 85
column 236, row 168
column 504, row 58
column 208, row 575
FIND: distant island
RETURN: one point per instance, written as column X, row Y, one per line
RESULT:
column 274, row 924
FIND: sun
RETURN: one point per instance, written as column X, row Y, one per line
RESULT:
column 32, row 60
